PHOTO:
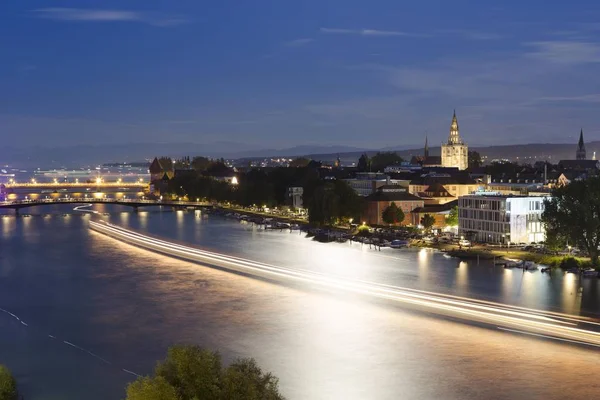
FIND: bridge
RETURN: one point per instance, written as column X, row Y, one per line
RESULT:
column 65, row 185
column 135, row 203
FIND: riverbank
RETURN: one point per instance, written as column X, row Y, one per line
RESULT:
column 486, row 253
column 477, row 252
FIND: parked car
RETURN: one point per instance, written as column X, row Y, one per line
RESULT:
column 464, row 243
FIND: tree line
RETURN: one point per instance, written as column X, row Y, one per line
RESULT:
column 327, row 201
column 189, row 373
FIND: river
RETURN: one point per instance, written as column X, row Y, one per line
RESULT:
column 92, row 311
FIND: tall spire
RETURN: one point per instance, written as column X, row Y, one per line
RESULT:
column 454, row 137
column 580, row 155
column 426, row 152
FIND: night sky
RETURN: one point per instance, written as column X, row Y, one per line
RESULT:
column 279, row 73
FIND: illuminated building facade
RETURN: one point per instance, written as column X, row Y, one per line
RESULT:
column 494, row 218
column 455, row 153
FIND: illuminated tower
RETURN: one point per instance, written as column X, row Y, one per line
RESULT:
column 580, row 155
column 455, row 153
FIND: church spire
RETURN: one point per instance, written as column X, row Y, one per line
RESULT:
column 580, row 155
column 454, row 137
column 426, row 152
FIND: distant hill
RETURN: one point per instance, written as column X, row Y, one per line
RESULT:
column 75, row 156
column 526, row 153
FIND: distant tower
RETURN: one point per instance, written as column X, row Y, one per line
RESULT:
column 454, row 137
column 426, row 152
column 580, row 155
column 455, row 153
column 594, row 156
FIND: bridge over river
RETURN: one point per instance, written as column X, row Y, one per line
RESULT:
column 134, row 203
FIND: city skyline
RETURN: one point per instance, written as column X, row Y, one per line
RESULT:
column 279, row 75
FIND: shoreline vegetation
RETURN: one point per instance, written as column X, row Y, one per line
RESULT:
column 476, row 252
column 8, row 385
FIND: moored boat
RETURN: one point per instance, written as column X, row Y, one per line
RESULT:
column 398, row 244
column 590, row 273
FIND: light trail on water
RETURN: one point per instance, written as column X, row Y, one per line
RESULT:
column 539, row 323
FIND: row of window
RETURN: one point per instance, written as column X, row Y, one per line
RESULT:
column 489, row 226
column 484, row 204
column 482, row 215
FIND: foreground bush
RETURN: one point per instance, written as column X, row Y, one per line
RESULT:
column 193, row 373
column 569, row 262
column 8, row 385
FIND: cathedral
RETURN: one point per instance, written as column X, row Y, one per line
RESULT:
column 580, row 154
column 455, row 153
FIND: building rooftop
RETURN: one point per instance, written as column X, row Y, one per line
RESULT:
column 436, row 208
column 579, row 164
column 392, row 193
column 451, row 177
column 499, row 195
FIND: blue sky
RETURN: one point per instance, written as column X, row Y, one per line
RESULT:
column 279, row 73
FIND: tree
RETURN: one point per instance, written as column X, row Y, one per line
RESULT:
column 350, row 204
column 427, row 221
column 299, row 162
column 364, row 164
column 8, row 385
column 384, row 159
column 218, row 168
column 392, row 214
column 245, row 380
column 452, row 217
column 201, row 164
column 156, row 388
column 182, row 163
column 193, row 373
column 329, row 203
column 474, row 159
column 323, row 205
column 573, row 214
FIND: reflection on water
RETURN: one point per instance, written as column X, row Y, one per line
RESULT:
column 128, row 305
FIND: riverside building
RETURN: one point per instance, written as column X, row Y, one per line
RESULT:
column 490, row 217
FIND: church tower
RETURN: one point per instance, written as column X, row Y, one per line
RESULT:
column 580, row 155
column 426, row 152
column 455, row 153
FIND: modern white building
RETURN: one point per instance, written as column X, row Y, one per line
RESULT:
column 490, row 217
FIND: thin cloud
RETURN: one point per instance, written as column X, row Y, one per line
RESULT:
column 298, row 42
column 586, row 98
column 366, row 32
column 97, row 15
column 565, row 52
column 470, row 35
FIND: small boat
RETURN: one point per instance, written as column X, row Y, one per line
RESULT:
column 573, row 270
column 546, row 270
column 590, row 273
column 529, row 266
column 512, row 264
column 398, row 244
